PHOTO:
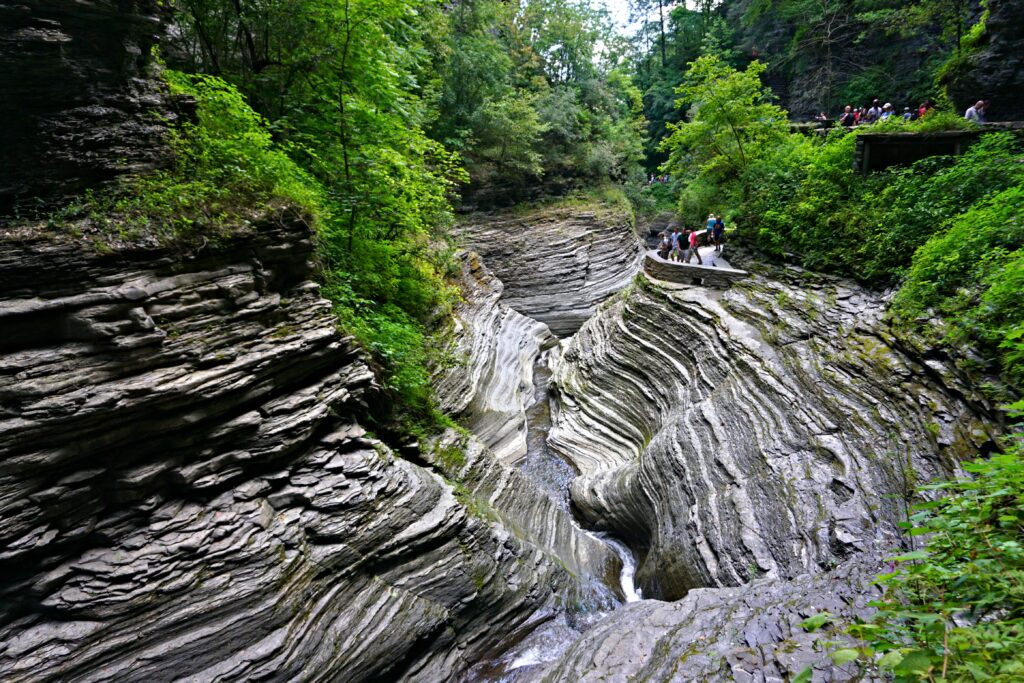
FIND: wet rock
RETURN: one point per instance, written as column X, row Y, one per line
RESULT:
column 487, row 379
column 752, row 633
column 186, row 490
column 556, row 263
column 768, row 429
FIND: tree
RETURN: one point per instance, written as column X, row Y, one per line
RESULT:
column 731, row 118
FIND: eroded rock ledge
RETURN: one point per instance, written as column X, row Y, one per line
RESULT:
column 489, row 383
column 771, row 429
column 186, row 491
column 557, row 263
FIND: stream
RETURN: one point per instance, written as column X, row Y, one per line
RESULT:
column 552, row 474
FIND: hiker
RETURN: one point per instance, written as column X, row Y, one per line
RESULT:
column 664, row 246
column 874, row 113
column 887, row 111
column 925, row 107
column 709, row 227
column 848, row 118
column 907, row 114
column 719, row 231
column 676, row 254
column 976, row 114
column 694, row 247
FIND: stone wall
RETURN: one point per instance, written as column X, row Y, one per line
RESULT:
column 78, row 106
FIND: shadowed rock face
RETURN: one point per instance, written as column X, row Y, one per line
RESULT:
column 994, row 70
column 556, row 264
column 77, row 106
column 185, row 489
column 494, row 348
column 760, row 430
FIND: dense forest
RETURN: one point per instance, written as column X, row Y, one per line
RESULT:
column 377, row 121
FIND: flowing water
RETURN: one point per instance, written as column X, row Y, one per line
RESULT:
column 552, row 474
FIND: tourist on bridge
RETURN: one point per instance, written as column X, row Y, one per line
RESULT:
column 664, row 246
column 717, row 234
column 677, row 249
column 976, row 114
column 874, row 113
column 710, row 226
column 694, row 250
column 849, row 118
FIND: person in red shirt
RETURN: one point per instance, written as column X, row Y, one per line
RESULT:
column 694, row 244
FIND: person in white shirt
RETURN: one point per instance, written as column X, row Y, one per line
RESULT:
column 976, row 113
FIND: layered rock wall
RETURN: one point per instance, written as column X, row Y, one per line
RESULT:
column 488, row 379
column 775, row 428
column 557, row 263
column 78, row 107
column 186, row 491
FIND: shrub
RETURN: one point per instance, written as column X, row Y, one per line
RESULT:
column 954, row 610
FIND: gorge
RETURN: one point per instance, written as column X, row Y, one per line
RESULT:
column 271, row 408
column 196, row 466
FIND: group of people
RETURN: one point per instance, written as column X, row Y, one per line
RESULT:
column 854, row 116
column 684, row 245
column 652, row 179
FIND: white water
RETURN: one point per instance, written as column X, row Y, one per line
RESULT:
column 629, row 589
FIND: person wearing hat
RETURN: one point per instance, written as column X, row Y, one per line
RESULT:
column 907, row 114
column 886, row 112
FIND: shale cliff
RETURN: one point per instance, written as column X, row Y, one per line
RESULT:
column 557, row 262
column 79, row 106
column 773, row 429
column 756, row 447
column 186, row 491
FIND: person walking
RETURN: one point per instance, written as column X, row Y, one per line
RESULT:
column 694, row 247
column 677, row 253
column 709, row 227
column 717, row 234
column 664, row 246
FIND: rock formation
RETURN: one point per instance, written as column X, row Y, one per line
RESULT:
column 494, row 349
column 993, row 69
column 774, row 428
column 750, row 634
column 185, row 489
column 78, row 107
column 556, row 263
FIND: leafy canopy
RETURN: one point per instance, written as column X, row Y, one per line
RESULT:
column 732, row 118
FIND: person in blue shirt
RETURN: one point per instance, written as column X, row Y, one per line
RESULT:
column 676, row 254
column 717, row 233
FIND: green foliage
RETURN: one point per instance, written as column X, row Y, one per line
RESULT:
column 345, row 87
column 226, row 170
column 531, row 90
column 954, row 610
column 949, row 225
column 971, row 275
column 732, row 120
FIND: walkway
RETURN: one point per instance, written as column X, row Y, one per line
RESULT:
column 716, row 271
